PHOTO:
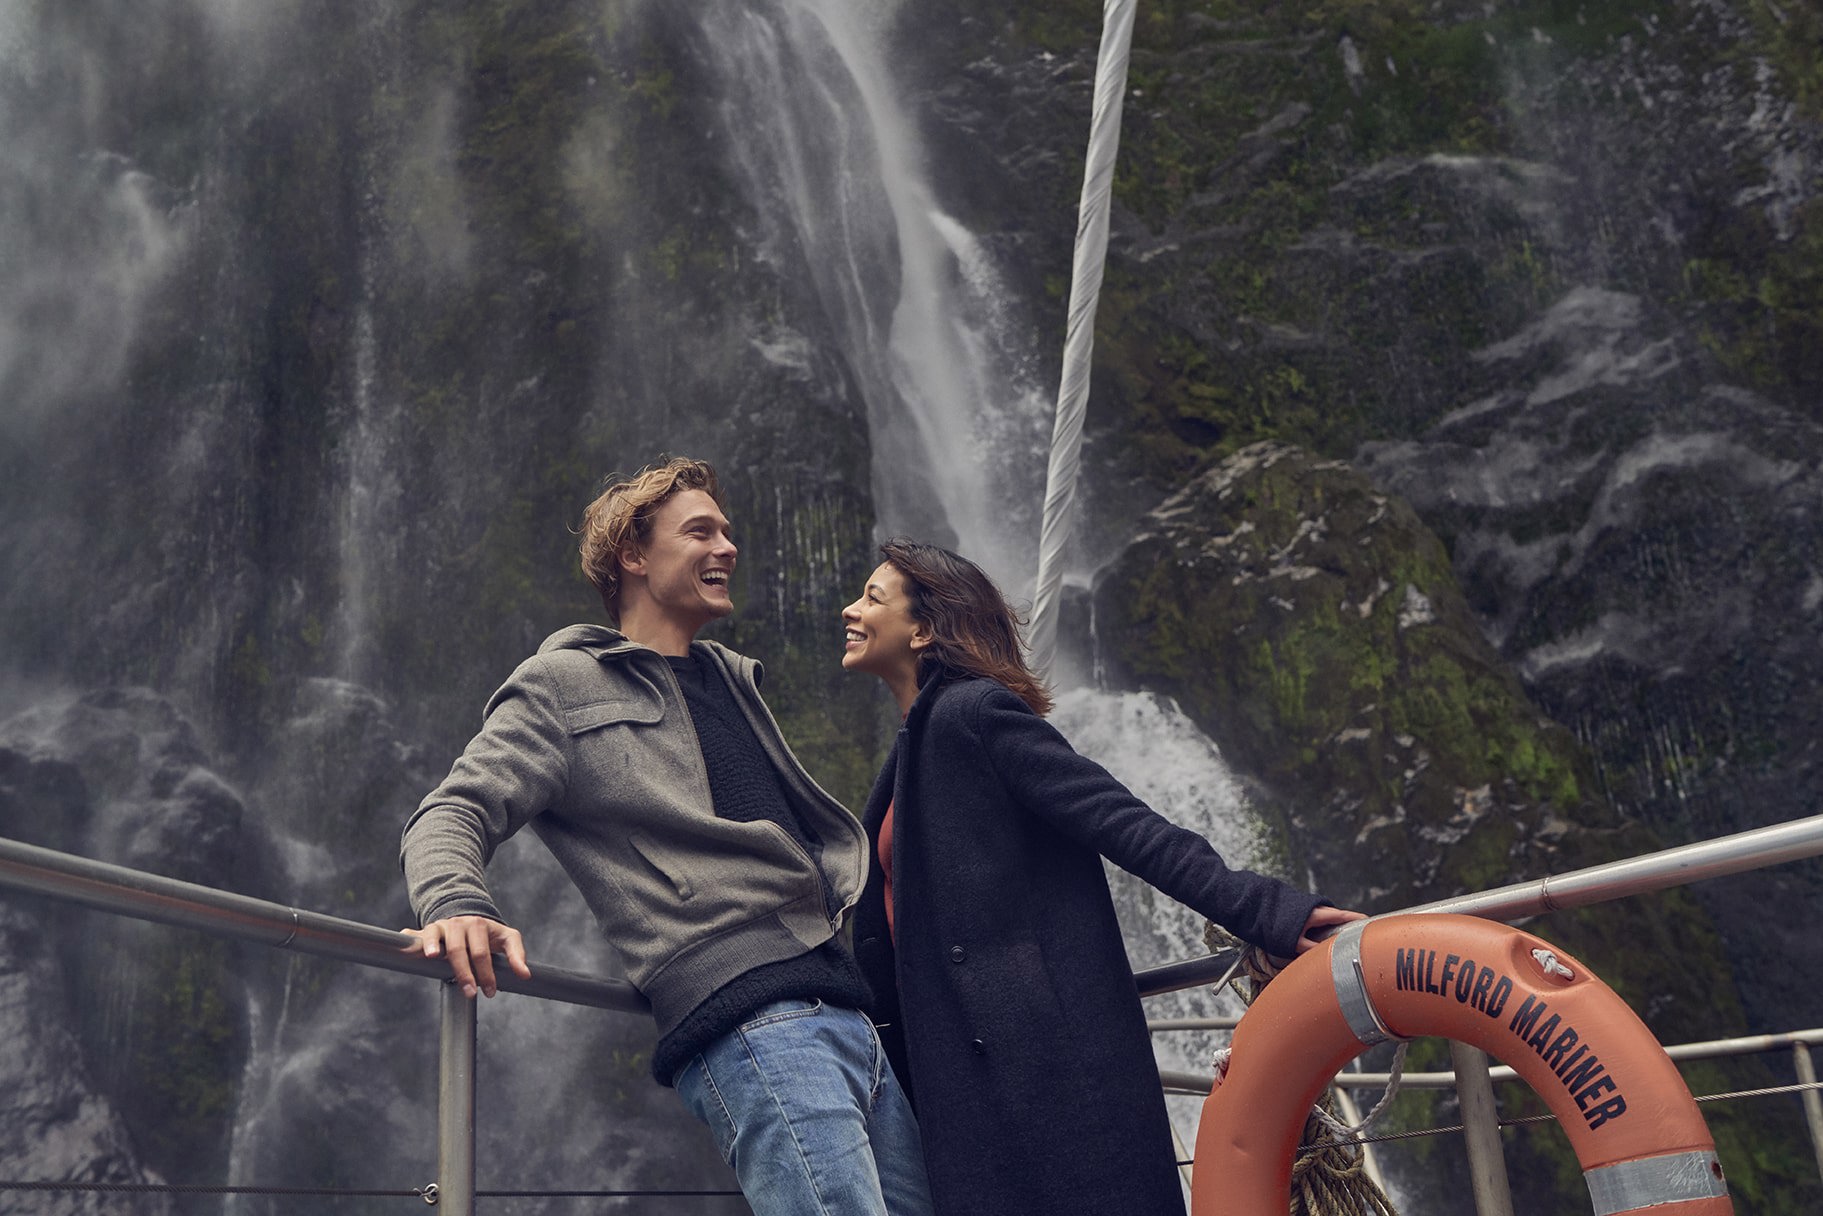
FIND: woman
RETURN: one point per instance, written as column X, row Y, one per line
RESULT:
column 985, row 928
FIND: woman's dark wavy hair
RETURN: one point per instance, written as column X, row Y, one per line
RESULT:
column 973, row 629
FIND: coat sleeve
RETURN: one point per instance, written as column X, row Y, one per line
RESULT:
column 1079, row 798
column 510, row 772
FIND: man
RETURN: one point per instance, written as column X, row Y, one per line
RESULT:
column 648, row 764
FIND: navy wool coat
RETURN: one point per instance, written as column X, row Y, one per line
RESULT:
column 1009, row 1007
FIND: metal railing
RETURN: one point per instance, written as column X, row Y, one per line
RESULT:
column 126, row 892
column 1472, row 1078
column 1179, row 1081
column 134, row 893
column 1725, row 855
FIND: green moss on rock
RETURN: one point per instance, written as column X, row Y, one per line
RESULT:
column 1313, row 628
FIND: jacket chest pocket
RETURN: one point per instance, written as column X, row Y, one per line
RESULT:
column 632, row 710
column 622, row 744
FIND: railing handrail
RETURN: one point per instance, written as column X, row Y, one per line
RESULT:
column 1790, row 841
column 171, row 901
column 129, row 892
column 1181, row 1081
column 123, row 891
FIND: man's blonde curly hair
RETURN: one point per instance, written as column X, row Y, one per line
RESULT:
column 620, row 520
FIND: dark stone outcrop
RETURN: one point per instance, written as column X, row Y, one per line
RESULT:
column 1642, row 541
column 1312, row 625
column 55, row 1126
column 156, row 1017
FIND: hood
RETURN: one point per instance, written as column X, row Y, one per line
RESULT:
column 602, row 642
column 596, row 640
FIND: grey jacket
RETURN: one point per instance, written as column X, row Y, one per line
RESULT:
column 590, row 743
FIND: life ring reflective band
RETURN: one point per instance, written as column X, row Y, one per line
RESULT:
column 1627, row 1112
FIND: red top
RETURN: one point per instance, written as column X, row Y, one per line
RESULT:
column 886, row 868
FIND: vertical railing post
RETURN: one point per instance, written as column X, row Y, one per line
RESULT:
column 1813, row 1104
column 1481, row 1128
column 456, row 1104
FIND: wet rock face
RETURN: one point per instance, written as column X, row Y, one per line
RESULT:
column 1617, row 516
column 54, row 1126
column 133, row 753
column 1642, row 542
column 1308, row 620
column 1550, row 271
column 1312, row 626
column 43, row 801
column 136, row 1031
column 130, row 751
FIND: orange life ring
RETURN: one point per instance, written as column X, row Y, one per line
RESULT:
column 1627, row 1111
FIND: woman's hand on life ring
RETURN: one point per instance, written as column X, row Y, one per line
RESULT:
column 1322, row 923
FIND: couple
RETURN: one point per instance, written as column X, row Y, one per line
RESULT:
column 986, row 974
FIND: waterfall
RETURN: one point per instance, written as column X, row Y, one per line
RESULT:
column 834, row 166
column 215, row 505
column 277, row 371
column 1159, row 754
column 834, row 169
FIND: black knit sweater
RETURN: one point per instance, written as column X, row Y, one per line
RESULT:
column 745, row 787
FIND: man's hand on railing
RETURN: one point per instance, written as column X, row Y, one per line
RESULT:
column 470, row 943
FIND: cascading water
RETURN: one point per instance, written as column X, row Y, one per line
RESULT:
column 833, row 162
column 834, row 169
column 248, row 257
column 1161, row 756
column 208, row 448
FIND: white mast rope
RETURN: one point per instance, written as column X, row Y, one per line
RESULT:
column 1079, row 337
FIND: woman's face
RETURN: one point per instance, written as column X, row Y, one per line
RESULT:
column 880, row 636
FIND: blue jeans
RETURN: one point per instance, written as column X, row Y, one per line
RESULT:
column 806, row 1109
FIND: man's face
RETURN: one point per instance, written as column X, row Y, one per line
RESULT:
column 689, row 561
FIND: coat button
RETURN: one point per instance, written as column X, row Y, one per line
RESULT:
column 957, row 954
column 977, row 1046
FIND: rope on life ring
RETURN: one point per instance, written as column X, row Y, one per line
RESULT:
column 1629, row 1116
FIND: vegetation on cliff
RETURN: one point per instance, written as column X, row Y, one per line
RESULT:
column 1302, row 184
column 1313, row 627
